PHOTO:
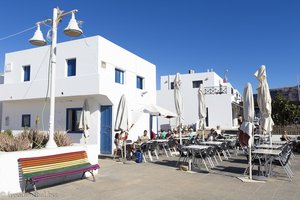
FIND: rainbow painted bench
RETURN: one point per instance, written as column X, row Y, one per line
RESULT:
column 35, row 169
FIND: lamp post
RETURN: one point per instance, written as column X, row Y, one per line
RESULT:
column 38, row 40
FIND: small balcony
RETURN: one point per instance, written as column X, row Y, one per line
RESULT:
column 215, row 90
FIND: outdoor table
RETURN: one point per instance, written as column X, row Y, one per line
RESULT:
column 183, row 138
column 218, row 145
column 212, row 143
column 269, row 146
column 193, row 149
column 227, row 139
column 162, row 142
column 279, row 142
column 269, row 155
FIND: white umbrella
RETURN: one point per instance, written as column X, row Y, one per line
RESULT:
column 264, row 101
column 201, row 109
column 248, row 126
column 178, row 102
column 84, row 122
column 122, row 122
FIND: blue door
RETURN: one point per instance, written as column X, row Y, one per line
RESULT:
column 106, row 130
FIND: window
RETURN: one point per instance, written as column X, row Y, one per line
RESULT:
column 119, row 76
column 196, row 84
column 26, row 120
column 71, row 67
column 26, row 70
column 139, row 82
column 73, row 117
column 172, row 85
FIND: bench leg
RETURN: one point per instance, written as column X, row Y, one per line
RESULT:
column 25, row 187
column 33, row 185
column 91, row 174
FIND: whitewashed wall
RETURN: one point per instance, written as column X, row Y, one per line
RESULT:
column 219, row 106
column 93, row 80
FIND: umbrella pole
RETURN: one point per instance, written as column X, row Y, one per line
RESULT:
column 180, row 135
column 179, row 129
column 124, row 157
column 250, row 163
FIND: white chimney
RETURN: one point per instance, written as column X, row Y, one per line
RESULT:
column 191, row 71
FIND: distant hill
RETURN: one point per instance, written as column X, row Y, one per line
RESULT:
column 290, row 93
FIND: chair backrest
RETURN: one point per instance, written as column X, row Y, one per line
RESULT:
column 285, row 157
column 153, row 146
column 171, row 143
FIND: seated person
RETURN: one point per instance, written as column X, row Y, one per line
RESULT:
column 118, row 141
column 143, row 140
column 124, row 136
column 175, row 134
column 169, row 134
column 212, row 135
column 285, row 137
column 163, row 134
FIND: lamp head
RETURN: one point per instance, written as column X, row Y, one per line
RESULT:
column 72, row 29
column 38, row 39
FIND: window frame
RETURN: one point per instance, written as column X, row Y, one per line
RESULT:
column 23, row 125
column 119, row 79
column 197, row 83
column 26, row 73
column 140, row 80
column 70, row 129
column 71, row 72
column 172, row 85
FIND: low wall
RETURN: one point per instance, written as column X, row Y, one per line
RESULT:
column 12, row 182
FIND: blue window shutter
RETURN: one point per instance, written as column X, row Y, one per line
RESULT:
column 139, row 82
column 71, row 67
column 26, row 73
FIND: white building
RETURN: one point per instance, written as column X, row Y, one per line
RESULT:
column 91, row 68
column 1, row 82
column 221, row 99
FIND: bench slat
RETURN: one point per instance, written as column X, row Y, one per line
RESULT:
column 36, row 161
column 46, row 172
column 53, row 166
column 64, row 173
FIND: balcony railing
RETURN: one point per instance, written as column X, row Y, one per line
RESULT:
column 215, row 90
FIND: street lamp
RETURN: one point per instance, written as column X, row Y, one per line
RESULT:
column 38, row 40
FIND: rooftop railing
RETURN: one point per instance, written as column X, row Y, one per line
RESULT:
column 215, row 90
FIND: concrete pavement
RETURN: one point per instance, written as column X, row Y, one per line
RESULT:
column 163, row 180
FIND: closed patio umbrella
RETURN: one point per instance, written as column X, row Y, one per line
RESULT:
column 122, row 122
column 248, row 126
column 178, row 102
column 84, row 122
column 201, row 109
column 264, row 102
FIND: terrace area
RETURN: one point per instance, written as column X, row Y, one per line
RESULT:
column 162, row 179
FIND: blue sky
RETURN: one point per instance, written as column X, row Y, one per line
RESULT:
column 178, row 35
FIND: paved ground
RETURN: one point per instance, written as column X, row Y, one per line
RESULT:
column 162, row 180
